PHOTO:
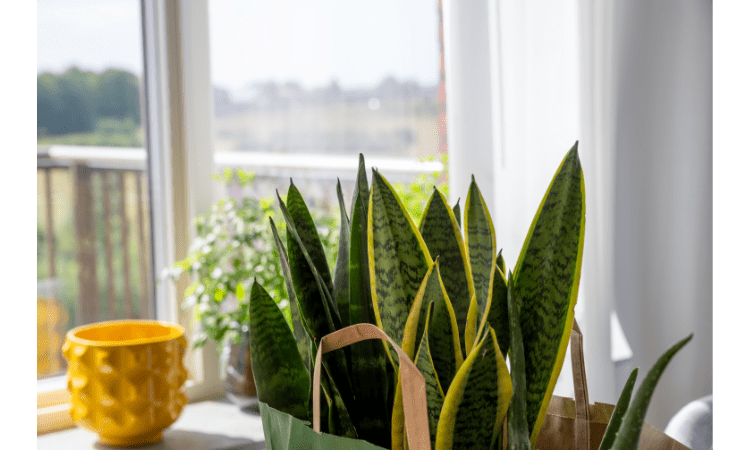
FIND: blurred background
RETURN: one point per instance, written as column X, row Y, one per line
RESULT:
column 429, row 88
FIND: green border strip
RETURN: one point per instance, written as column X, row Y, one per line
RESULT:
column 18, row 34
column 731, row 219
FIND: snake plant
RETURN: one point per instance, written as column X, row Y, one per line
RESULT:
column 441, row 289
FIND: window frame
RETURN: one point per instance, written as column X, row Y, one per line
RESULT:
column 177, row 111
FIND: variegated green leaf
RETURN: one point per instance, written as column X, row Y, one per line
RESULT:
column 308, row 233
column 477, row 400
column 435, row 392
column 368, row 358
column 313, row 298
column 441, row 234
column 361, row 188
column 630, row 431
column 500, row 262
column 398, row 257
column 546, row 281
column 518, row 426
column 300, row 328
column 341, row 278
column 280, row 375
column 429, row 291
column 619, row 412
column 479, row 234
column 317, row 307
column 445, row 346
column 457, row 212
column 498, row 316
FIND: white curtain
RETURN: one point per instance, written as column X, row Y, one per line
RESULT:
column 631, row 80
column 663, row 231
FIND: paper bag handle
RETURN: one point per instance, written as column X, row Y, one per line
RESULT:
column 582, row 425
column 413, row 384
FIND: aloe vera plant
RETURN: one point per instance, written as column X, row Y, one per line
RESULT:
column 441, row 289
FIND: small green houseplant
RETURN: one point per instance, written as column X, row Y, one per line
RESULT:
column 441, row 289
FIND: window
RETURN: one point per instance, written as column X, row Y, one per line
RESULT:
column 300, row 84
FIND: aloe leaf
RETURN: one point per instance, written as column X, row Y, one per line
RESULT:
column 300, row 328
column 546, row 280
column 341, row 278
column 622, row 406
column 398, row 259
column 518, row 426
column 630, row 431
column 477, row 400
column 280, row 376
column 498, row 315
column 479, row 234
column 445, row 346
column 440, row 231
column 457, row 212
column 369, row 362
column 435, row 392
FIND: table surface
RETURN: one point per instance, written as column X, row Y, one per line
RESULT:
column 207, row 425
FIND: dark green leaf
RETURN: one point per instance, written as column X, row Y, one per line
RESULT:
column 280, row 375
column 341, row 279
column 619, row 412
column 498, row 316
column 518, row 426
column 630, row 431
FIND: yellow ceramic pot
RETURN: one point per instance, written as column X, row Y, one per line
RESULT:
column 125, row 379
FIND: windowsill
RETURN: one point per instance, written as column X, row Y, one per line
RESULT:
column 207, row 425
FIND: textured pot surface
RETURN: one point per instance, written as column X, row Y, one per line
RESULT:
column 125, row 379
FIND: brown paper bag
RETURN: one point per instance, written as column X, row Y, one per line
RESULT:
column 571, row 426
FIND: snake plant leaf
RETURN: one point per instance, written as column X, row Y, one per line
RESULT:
column 280, row 375
column 457, row 212
column 477, row 400
column 470, row 332
column 308, row 233
column 361, row 187
column 479, row 234
column 435, row 392
column 546, row 280
column 398, row 259
column 300, row 328
column 518, row 426
column 630, row 431
column 441, row 233
column 340, row 422
column 500, row 262
column 316, row 307
column 622, row 406
column 341, row 277
column 445, row 346
column 430, row 290
column 369, row 362
column 498, row 315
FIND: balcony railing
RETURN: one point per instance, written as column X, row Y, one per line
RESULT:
column 108, row 232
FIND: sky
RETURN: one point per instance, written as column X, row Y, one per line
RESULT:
column 308, row 41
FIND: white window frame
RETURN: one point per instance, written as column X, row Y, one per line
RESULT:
column 178, row 115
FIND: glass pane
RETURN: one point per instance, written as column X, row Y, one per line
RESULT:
column 93, row 252
column 322, row 81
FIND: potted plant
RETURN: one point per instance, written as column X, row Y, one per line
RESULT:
column 233, row 246
column 440, row 290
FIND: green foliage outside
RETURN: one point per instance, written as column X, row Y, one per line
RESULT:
column 85, row 108
column 234, row 246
